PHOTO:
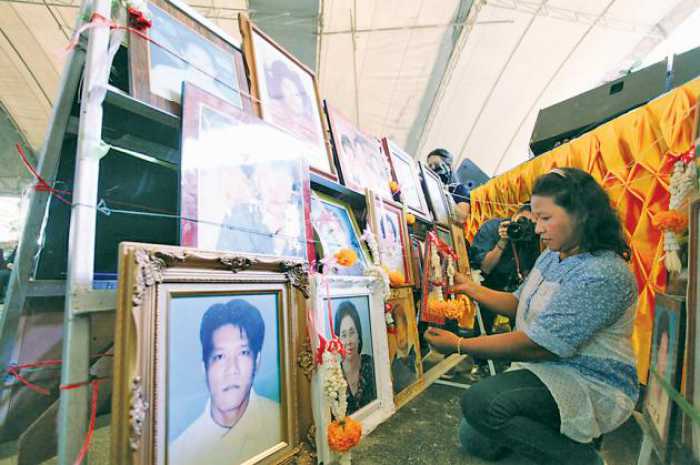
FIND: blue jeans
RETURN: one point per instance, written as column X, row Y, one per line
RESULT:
column 515, row 411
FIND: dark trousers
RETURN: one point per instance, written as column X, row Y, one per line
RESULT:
column 514, row 411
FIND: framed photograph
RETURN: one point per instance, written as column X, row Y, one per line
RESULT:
column 692, row 346
column 336, row 228
column 286, row 94
column 434, row 280
column 184, row 50
column 460, row 248
column 445, row 236
column 406, row 174
column 252, row 196
column 388, row 223
column 357, row 312
column 417, row 254
column 362, row 163
column 209, row 366
column 404, row 346
column 435, row 192
column 667, row 341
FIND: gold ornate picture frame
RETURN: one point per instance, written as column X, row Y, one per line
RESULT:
column 206, row 343
column 404, row 346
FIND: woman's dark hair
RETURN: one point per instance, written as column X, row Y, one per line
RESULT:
column 278, row 72
column 347, row 308
column 576, row 191
column 661, row 327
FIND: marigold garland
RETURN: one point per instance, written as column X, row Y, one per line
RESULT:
column 343, row 435
column 449, row 309
column 346, row 257
column 396, row 278
column 394, row 186
column 671, row 220
column 410, row 219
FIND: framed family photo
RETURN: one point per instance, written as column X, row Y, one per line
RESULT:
column 388, row 223
column 406, row 174
column 286, row 93
column 209, row 367
column 404, row 346
column 362, row 163
column 667, row 342
column 252, row 196
column 183, row 50
column 435, row 192
column 354, row 309
column 336, row 229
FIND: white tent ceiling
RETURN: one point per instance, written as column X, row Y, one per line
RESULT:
column 421, row 72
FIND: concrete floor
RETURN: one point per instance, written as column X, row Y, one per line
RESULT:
column 424, row 432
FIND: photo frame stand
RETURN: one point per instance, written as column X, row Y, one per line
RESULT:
column 87, row 60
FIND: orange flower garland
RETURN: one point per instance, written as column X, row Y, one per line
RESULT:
column 394, row 186
column 346, row 257
column 344, row 435
column 410, row 219
column 671, row 220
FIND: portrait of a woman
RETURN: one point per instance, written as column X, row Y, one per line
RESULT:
column 358, row 367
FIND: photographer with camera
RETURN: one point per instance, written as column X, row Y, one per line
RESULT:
column 505, row 250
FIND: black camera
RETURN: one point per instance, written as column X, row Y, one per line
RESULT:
column 522, row 230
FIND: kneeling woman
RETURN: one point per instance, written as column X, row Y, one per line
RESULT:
column 576, row 378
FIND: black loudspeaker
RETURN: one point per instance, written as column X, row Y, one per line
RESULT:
column 566, row 120
column 470, row 175
column 686, row 67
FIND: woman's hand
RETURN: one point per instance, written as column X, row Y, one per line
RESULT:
column 464, row 285
column 443, row 341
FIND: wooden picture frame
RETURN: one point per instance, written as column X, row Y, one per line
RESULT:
column 364, row 294
column 691, row 430
column 361, row 159
column 251, row 197
column 404, row 346
column 183, row 49
column 406, row 175
column 460, row 248
column 333, row 217
column 163, row 364
column 295, row 109
column 435, row 193
column 667, row 342
column 388, row 223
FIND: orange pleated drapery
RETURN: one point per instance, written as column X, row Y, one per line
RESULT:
column 631, row 157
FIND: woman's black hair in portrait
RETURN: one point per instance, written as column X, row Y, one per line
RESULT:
column 599, row 228
column 276, row 74
column 348, row 309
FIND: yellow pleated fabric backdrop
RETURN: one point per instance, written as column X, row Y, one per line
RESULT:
column 631, row 157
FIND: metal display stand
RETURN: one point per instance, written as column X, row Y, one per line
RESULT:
column 87, row 69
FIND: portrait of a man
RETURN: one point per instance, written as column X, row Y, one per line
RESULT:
column 402, row 352
column 236, row 422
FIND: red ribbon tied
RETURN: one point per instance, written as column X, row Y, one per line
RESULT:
column 138, row 20
column 334, row 345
